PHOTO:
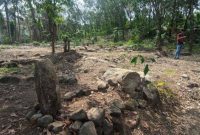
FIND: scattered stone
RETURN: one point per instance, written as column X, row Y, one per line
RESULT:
column 96, row 115
column 88, row 128
column 114, row 111
column 56, row 126
column 107, row 127
column 69, row 79
column 69, row 96
column 46, row 87
column 193, row 85
column 131, row 104
column 44, row 121
column 73, row 94
column 118, row 103
column 185, row 76
column 102, row 86
column 35, row 117
column 79, row 115
column 76, row 126
column 10, row 79
column 142, row 103
column 85, row 70
column 151, row 94
column 128, row 79
column 30, row 114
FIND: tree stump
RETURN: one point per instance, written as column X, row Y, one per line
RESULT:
column 46, row 87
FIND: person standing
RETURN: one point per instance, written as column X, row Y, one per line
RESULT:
column 180, row 41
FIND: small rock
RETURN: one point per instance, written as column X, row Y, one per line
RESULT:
column 107, row 127
column 131, row 104
column 96, row 115
column 82, row 92
column 69, row 79
column 86, row 70
column 88, row 128
column 76, row 126
column 185, row 76
column 102, row 86
column 193, row 85
column 30, row 114
column 118, row 103
column 44, row 121
column 35, row 117
column 79, row 115
column 114, row 111
column 142, row 103
column 151, row 94
column 56, row 126
column 69, row 96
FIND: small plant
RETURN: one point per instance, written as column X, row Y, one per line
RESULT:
column 135, row 59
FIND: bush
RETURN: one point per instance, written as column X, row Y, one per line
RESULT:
column 35, row 43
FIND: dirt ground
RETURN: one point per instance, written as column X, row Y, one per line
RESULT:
column 177, row 80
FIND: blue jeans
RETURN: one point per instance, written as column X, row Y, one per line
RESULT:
column 178, row 50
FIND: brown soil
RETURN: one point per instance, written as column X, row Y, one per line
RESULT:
column 179, row 115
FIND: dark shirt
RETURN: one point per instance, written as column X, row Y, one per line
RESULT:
column 180, row 38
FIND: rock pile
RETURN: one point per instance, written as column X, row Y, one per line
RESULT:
column 104, row 120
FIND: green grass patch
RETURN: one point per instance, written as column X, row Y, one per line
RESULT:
column 169, row 72
column 4, row 70
column 163, row 90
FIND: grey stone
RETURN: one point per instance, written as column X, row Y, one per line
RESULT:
column 44, row 121
column 30, row 114
column 35, row 117
column 69, row 96
column 46, row 87
column 88, row 128
column 79, row 115
column 114, row 111
column 107, row 128
column 96, row 115
column 118, row 103
column 56, row 126
column 102, row 86
column 131, row 104
column 69, row 79
column 128, row 79
column 151, row 94
column 76, row 126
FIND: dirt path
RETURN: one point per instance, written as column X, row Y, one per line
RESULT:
column 178, row 81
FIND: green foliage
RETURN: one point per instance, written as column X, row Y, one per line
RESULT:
column 4, row 70
column 35, row 43
column 135, row 59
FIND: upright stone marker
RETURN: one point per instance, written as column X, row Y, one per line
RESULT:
column 46, row 87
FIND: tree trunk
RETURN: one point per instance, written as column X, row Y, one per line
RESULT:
column 7, row 19
column 34, row 26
